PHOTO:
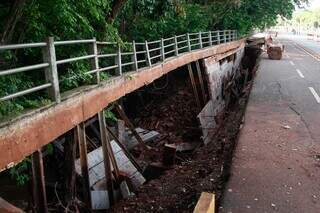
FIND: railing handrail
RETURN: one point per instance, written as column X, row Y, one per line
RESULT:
column 153, row 51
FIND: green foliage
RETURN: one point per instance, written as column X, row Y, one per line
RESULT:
column 138, row 20
column 143, row 24
column 307, row 18
column 109, row 114
column 20, row 172
column 65, row 20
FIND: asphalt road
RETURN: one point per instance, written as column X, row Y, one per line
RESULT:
column 308, row 42
column 300, row 79
column 276, row 167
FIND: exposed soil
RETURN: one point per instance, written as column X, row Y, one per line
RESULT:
column 205, row 169
column 174, row 118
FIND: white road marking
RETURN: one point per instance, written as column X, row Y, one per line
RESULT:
column 300, row 73
column 291, row 62
column 315, row 94
column 302, row 49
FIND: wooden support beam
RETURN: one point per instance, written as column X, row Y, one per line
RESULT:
column 121, row 130
column 131, row 127
column 81, row 138
column 194, row 87
column 203, row 91
column 206, row 203
column 39, row 188
column 169, row 154
column 125, row 150
column 70, row 148
column 106, row 156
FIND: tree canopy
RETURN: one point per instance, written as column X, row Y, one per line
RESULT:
column 115, row 20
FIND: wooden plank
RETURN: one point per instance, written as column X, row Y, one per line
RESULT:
column 39, row 188
column 96, row 167
column 70, row 148
column 124, row 149
column 169, row 154
column 121, row 130
column 206, row 203
column 110, row 151
column 106, row 154
column 81, row 138
column 194, row 87
column 203, row 91
column 130, row 125
column 8, row 207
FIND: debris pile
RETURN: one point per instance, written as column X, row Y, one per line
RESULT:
column 175, row 119
column 274, row 50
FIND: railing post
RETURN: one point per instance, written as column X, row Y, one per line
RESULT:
column 134, row 56
column 51, row 72
column 119, row 62
column 200, row 40
column 163, row 55
column 218, row 37
column 189, row 43
column 210, row 38
column 148, row 60
column 225, row 36
column 94, row 62
column 176, row 46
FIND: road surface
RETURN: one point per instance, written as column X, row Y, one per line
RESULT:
column 276, row 167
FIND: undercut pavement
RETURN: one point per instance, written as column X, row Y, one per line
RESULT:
column 276, row 166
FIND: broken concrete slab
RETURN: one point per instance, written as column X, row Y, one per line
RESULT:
column 130, row 141
column 185, row 147
column 96, row 166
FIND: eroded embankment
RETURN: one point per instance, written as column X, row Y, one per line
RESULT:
column 176, row 107
column 207, row 167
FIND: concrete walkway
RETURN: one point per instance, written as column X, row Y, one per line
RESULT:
column 276, row 167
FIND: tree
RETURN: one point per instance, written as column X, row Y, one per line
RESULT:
column 24, row 21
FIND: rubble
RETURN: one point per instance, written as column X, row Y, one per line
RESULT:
column 275, row 51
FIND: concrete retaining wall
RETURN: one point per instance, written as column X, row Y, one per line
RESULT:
column 216, row 71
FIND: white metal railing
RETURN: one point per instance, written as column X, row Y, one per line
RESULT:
column 142, row 55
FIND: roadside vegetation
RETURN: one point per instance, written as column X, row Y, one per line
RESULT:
column 23, row 21
column 309, row 19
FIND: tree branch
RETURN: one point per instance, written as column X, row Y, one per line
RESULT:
column 115, row 10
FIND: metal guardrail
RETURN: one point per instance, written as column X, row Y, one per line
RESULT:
column 147, row 53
